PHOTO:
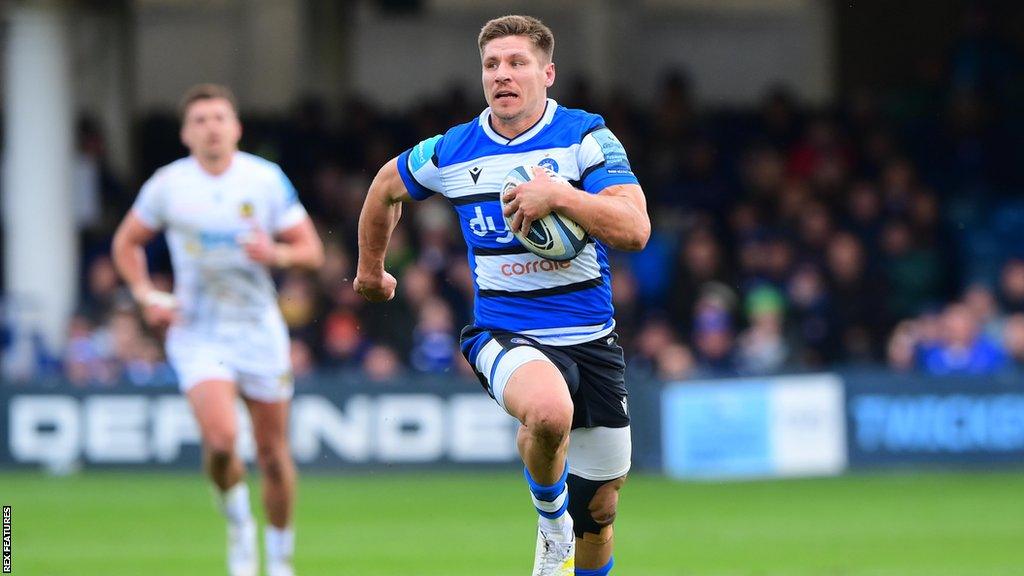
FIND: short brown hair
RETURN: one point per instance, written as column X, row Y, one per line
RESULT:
column 515, row 25
column 206, row 92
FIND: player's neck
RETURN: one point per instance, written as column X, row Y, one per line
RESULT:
column 215, row 165
column 512, row 129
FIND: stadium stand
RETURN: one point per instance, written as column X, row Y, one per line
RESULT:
column 887, row 230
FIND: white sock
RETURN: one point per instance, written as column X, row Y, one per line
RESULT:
column 234, row 503
column 562, row 524
column 280, row 544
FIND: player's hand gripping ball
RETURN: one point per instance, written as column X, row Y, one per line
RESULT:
column 554, row 236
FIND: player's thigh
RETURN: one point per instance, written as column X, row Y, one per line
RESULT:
column 213, row 404
column 269, row 424
column 518, row 375
column 537, row 390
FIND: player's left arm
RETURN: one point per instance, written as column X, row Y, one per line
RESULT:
column 616, row 215
column 292, row 239
column 298, row 245
column 611, row 205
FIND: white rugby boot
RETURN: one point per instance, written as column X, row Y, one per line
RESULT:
column 243, row 554
column 554, row 555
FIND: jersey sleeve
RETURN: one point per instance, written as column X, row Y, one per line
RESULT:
column 288, row 211
column 150, row 205
column 603, row 161
column 418, row 168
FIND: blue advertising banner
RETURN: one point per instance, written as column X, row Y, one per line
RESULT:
column 778, row 426
column 716, row 429
column 898, row 421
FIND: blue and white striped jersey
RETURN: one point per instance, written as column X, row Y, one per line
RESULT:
column 557, row 303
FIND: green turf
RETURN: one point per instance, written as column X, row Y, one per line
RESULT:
column 482, row 524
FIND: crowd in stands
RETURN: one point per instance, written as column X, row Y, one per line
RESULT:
column 886, row 229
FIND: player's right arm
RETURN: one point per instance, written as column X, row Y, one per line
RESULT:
column 130, row 259
column 413, row 175
column 381, row 211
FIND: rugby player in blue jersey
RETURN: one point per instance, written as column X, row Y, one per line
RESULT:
column 543, row 342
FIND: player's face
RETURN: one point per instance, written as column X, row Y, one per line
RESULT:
column 211, row 128
column 516, row 77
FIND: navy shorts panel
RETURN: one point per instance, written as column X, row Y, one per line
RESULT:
column 594, row 372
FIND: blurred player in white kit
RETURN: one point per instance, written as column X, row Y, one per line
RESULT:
column 229, row 217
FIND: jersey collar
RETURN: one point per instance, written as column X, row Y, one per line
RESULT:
column 545, row 119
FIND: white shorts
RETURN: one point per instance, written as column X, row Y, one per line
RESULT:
column 255, row 358
column 600, row 453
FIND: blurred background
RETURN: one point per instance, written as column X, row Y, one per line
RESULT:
column 835, row 280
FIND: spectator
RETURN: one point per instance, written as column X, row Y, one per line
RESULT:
column 381, row 364
column 434, row 342
column 701, row 261
column 762, row 347
column 913, row 272
column 344, row 344
column 655, row 336
column 297, row 300
column 1011, row 286
column 901, row 351
column 982, row 303
column 812, row 319
column 146, row 366
column 1013, row 339
column 961, row 348
column 675, row 362
column 715, row 341
column 85, row 363
column 858, row 312
column 302, row 359
column 102, row 290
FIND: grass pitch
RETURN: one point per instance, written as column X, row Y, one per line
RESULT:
column 107, row 524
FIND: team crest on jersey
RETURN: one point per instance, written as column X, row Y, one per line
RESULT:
column 246, row 209
column 549, row 163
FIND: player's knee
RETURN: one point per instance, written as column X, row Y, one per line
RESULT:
column 604, row 506
column 274, row 462
column 221, row 443
column 550, row 424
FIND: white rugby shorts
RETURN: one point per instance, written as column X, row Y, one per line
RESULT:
column 255, row 357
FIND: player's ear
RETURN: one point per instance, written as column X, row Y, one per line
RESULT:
column 549, row 73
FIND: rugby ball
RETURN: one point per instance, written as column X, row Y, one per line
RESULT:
column 554, row 237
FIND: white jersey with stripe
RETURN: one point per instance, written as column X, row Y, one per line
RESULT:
column 206, row 219
column 557, row 303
